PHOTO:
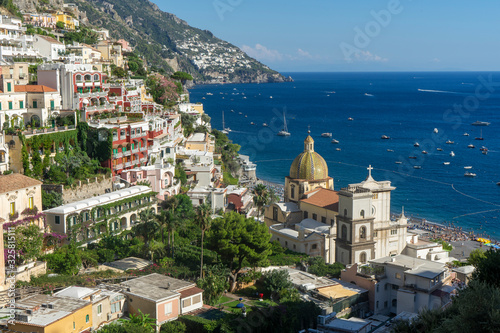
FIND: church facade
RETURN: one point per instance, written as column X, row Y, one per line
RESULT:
column 352, row 225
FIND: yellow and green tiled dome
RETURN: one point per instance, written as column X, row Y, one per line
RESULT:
column 309, row 164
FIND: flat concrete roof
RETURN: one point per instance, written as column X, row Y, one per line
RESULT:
column 129, row 263
column 156, row 287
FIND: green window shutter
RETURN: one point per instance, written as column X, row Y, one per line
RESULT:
column 21, row 104
column 52, row 105
column 35, row 104
column 10, row 106
column 9, row 86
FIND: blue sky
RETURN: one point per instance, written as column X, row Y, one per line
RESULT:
column 331, row 35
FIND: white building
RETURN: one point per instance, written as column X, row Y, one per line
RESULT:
column 4, row 153
column 160, row 176
column 14, row 42
column 115, row 211
column 51, row 49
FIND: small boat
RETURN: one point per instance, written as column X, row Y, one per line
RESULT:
column 335, row 141
column 485, row 152
column 232, row 111
column 466, row 134
column 480, row 137
column 210, row 94
column 452, row 154
column 424, row 152
column 385, row 137
column 284, row 131
column 498, row 183
column 246, row 116
column 468, row 167
column 338, row 149
column 483, row 148
column 446, row 163
column 412, row 157
column 480, row 123
column 390, row 150
column 350, row 119
column 240, row 113
column 471, row 146
column 436, row 130
column 225, row 129
column 470, row 174
column 417, row 167
column 416, row 144
column 252, row 123
column 399, row 162
column 326, row 135
column 265, row 125
column 270, row 96
column 449, row 142
column 439, row 149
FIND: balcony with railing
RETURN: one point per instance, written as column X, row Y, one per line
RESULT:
column 135, row 150
column 128, row 164
column 118, row 155
column 118, row 167
column 144, row 148
column 127, row 153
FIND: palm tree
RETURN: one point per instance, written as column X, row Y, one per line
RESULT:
column 203, row 219
column 142, row 320
column 260, row 197
column 171, row 223
column 162, row 220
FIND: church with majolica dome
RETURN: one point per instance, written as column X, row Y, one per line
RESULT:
column 350, row 225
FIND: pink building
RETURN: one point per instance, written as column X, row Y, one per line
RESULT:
column 125, row 45
column 161, row 178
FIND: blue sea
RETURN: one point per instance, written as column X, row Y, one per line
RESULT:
column 407, row 107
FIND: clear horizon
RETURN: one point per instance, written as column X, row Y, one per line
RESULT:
column 390, row 35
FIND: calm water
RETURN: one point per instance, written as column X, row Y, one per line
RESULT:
column 405, row 106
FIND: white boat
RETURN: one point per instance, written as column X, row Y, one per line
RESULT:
column 270, row 96
column 335, row 141
column 337, row 149
column 232, row 111
column 284, row 132
column 265, row 124
column 326, row 135
column 240, row 113
column 436, row 130
column 416, row 144
column 252, row 123
column 385, row 137
column 480, row 123
column 471, row 146
column 424, row 152
column 449, row 142
column 470, row 174
column 210, row 94
column 439, row 149
column 446, row 163
column 467, row 167
column 246, row 116
column 350, row 119
column 390, row 150
column 466, row 134
column 399, row 162
column 417, row 167
column 483, row 148
column 452, row 154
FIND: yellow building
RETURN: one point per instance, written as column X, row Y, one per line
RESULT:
column 69, row 21
column 52, row 314
column 201, row 141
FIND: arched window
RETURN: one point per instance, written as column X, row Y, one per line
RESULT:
column 344, row 232
column 362, row 214
column 362, row 257
column 78, row 78
column 362, row 232
column 88, row 77
column 345, row 212
column 292, row 191
column 96, row 77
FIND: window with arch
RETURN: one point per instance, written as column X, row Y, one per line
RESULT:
column 78, row 78
column 96, row 77
column 344, row 232
column 362, row 257
column 362, row 213
column 362, row 232
column 88, row 77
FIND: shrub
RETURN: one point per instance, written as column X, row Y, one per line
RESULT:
column 173, row 327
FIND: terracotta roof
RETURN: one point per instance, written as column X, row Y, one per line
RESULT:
column 16, row 181
column 323, row 198
column 190, row 292
column 33, row 88
column 50, row 39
